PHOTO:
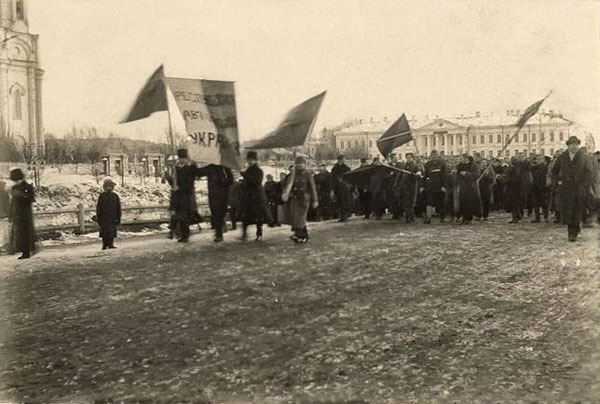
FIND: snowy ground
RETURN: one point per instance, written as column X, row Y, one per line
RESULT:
column 368, row 311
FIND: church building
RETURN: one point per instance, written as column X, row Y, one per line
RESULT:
column 20, row 77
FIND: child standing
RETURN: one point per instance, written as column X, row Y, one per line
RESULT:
column 108, row 212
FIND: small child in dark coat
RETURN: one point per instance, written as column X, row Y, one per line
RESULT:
column 108, row 213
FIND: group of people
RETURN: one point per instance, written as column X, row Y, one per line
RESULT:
column 566, row 185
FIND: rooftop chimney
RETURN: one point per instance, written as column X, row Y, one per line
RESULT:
column 478, row 114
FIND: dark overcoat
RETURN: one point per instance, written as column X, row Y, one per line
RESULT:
column 108, row 214
column 470, row 202
column 253, row 195
column 512, row 188
column 22, row 234
column 575, row 181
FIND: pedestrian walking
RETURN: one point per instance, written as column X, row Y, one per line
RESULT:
column 22, row 233
column 340, row 188
column 300, row 193
column 220, row 179
column 108, row 214
column 252, row 197
column 434, row 186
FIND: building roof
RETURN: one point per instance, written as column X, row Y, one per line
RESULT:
column 371, row 126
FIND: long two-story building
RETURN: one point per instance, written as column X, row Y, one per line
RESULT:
column 544, row 133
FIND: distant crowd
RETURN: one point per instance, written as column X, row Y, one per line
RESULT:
column 565, row 186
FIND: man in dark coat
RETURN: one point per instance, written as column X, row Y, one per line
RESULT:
column 408, row 186
column 539, row 190
column 340, row 188
column 108, row 214
column 235, row 203
column 552, row 182
column 184, row 195
column 434, row 186
column 470, row 202
column 575, row 181
column 22, row 234
column 220, row 179
column 498, row 187
column 252, row 196
column 4, row 200
column 393, row 198
column 324, row 189
column 273, row 192
column 377, row 188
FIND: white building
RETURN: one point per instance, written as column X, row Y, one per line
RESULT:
column 20, row 76
column 544, row 133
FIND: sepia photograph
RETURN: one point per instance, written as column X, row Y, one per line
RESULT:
column 300, row 201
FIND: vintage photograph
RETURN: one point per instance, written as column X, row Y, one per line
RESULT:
column 300, row 201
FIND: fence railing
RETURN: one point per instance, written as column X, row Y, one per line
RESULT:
column 82, row 225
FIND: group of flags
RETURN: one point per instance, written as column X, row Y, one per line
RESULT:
column 209, row 112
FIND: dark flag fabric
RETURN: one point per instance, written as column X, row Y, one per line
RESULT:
column 396, row 135
column 361, row 177
column 294, row 129
column 529, row 112
column 151, row 99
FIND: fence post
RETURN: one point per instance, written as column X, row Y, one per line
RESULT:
column 81, row 218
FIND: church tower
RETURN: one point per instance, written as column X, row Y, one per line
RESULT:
column 20, row 77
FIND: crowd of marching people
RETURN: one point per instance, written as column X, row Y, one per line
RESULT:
column 564, row 189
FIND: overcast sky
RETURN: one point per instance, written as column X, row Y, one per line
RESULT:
column 374, row 58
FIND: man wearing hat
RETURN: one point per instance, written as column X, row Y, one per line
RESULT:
column 252, row 196
column 574, row 181
column 340, row 188
column 435, row 177
column 22, row 234
column 108, row 214
column 299, row 194
column 183, row 203
column 220, row 180
column 324, row 190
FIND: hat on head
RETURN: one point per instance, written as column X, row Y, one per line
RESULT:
column 433, row 153
column 182, row 153
column 251, row 155
column 573, row 139
column 340, row 156
column 300, row 160
column 409, row 154
column 16, row 174
column 323, row 165
column 363, row 160
column 108, row 183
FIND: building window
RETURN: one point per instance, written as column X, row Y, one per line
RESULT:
column 451, row 153
column 443, row 140
column 516, row 152
column 560, row 137
column 499, row 153
column 516, row 138
column 525, row 137
column 491, row 139
column 552, row 152
column 356, row 143
column 541, row 137
column 460, row 140
column 451, row 140
column 543, row 152
column 507, row 153
column 491, row 153
column 18, row 112
column 441, row 152
column 370, row 143
column 434, row 141
column 552, row 136
column 342, row 144
column 533, row 151
column 533, row 137
column 499, row 139
column 19, row 9
column 482, row 139
column 474, row 139
column 425, row 139
column 363, row 143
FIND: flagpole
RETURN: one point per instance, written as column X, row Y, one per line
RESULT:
column 171, row 137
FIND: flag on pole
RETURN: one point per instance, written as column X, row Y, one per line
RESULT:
column 294, row 129
column 396, row 135
column 531, row 111
column 151, row 99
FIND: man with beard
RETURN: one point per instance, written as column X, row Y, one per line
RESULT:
column 323, row 184
column 470, row 203
column 408, row 185
column 539, row 190
column 575, row 179
column 340, row 188
column 252, row 196
column 220, row 179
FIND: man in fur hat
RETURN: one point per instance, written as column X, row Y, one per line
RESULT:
column 574, row 180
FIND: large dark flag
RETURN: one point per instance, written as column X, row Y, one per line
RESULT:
column 361, row 176
column 294, row 129
column 396, row 135
column 531, row 111
column 151, row 99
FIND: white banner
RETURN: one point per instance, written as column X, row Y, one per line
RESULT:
column 203, row 141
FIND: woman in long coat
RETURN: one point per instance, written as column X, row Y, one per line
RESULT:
column 108, row 214
column 300, row 193
column 22, row 235
column 470, row 203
